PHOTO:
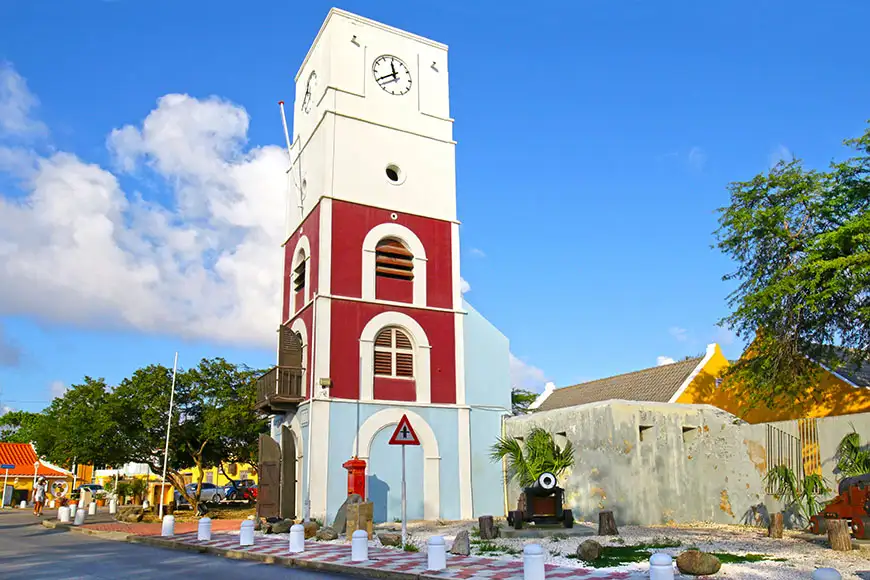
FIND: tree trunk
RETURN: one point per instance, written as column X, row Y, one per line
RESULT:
column 774, row 530
column 838, row 536
column 488, row 531
column 607, row 524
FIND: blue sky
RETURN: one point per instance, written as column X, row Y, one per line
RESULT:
column 595, row 141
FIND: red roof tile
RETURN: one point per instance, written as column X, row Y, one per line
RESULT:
column 23, row 456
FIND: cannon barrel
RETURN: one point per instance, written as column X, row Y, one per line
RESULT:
column 848, row 482
column 536, row 490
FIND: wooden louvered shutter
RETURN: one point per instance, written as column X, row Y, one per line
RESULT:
column 290, row 352
column 394, row 260
column 384, row 358
column 404, row 364
column 299, row 276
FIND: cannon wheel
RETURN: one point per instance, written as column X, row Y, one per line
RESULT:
column 567, row 518
column 861, row 527
column 517, row 519
column 818, row 525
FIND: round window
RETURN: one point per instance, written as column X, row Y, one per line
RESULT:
column 394, row 174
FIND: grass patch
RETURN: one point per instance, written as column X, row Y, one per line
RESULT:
column 727, row 558
column 612, row 556
column 484, row 547
column 411, row 548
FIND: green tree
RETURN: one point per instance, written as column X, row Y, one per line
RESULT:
column 802, row 496
column 852, row 457
column 18, row 426
column 801, row 242
column 528, row 461
column 521, row 399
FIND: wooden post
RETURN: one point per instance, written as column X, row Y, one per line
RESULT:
column 607, row 524
column 774, row 530
column 487, row 528
column 838, row 536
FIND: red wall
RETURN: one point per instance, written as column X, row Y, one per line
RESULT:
column 348, row 320
column 390, row 389
column 350, row 224
column 311, row 229
column 394, row 289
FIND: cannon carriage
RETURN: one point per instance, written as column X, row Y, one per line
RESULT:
column 541, row 504
column 852, row 504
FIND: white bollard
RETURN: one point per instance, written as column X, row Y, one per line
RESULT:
column 80, row 517
column 51, row 504
column 246, row 533
column 661, row 567
column 113, row 506
column 92, row 508
column 297, row 538
column 359, row 546
column 22, row 505
column 826, row 574
column 437, row 553
column 203, row 530
column 63, row 514
column 145, row 505
column 73, row 507
column 168, row 528
column 533, row 562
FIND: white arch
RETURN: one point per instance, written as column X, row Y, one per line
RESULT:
column 303, row 248
column 422, row 349
column 370, row 243
column 431, row 454
column 299, row 326
column 296, row 428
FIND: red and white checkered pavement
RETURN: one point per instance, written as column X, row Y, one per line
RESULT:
column 397, row 561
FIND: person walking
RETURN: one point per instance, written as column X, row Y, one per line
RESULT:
column 39, row 496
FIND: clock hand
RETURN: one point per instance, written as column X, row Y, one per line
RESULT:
column 393, row 66
column 386, row 76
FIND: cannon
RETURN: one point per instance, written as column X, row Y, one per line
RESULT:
column 852, row 503
column 542, row 505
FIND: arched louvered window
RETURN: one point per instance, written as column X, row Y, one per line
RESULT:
column 299, row 274
column 394, row 260
column 394, row 354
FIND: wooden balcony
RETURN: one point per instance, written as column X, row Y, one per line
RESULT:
column 279, row 390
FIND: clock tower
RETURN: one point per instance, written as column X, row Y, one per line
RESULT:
column 374, row 326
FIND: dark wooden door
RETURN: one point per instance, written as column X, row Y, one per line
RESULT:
column 288, row 473
column 268, row 494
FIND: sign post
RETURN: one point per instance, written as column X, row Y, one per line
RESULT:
column 404, row 435
column 7, row 467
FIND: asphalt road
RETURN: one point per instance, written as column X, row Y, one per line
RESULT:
column 32, row 552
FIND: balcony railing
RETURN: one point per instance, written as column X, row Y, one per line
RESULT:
column 279, row 388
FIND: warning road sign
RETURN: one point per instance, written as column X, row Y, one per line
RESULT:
column 404, row 433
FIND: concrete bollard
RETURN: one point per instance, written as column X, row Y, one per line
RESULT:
column 661, row 567
column 533, row 562
column 63, row 514
column 22, row 505
column 113, row 506
column 73, row 507
column 51, row 504
column 80, row 517
column 246, row 533
column 437, row 553
column 203, row 529
column 359, row 546
column 92, row 508
column 297, row 538
column 146, row 504
column 826, row 574
column 168, row 528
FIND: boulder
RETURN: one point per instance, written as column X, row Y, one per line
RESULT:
column 282, row 527
column 310, row 529
column 589, row 550
column 390, row 539
column 327, row 534
column 461, row 544
column 697, row 563
column 339, row 524
column 130, row 514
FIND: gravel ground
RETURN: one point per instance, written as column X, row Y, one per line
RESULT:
column 802, row 555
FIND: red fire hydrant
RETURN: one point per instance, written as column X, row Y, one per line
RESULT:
column 356, row 476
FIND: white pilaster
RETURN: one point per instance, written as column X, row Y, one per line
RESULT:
column 324, row 344
column 324, row 272
column 466, row 509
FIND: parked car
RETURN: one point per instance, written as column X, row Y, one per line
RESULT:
column 249, row 494
column 210, row 493
column 235, row 488
column 92, row 487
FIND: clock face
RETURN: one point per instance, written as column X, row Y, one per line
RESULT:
column 392, row 74
column 309, row 92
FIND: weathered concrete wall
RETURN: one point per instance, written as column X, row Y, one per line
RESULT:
column 655, row 463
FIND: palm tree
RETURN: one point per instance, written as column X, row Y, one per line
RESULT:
column 852, row 457
column 800, row 495
column 539, row 454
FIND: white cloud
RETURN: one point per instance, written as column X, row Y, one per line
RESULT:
column 79, row 249
column 679, row 334
column 16, row 105
column 779, row 153
column 477, row 252
column 697, row 157
column 464, row 286
column 56, row 389
column 526, row 376
column 664, row 360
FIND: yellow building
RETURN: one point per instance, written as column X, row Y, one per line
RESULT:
column 16, row 483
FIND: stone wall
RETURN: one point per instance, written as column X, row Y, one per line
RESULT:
column 656, row 463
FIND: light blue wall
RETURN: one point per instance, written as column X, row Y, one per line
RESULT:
column 385, row 476
column 385, row 460
column 487, row 384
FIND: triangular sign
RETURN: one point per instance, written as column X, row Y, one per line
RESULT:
column 404, row 433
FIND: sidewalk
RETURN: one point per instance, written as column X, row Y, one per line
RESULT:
column 154, row 529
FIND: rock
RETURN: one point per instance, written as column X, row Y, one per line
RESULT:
column 327, row 534
column 310, row 529
column 130, row 514
column 462, row 544
column 697, row 563
column 339, row 524
column 589, row 550
column 282, row 527
column 390, row 539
